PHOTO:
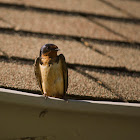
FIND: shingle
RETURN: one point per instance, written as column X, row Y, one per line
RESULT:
column 55, row 24
column 89, row 6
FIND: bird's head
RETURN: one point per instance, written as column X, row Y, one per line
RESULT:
column 49, row 50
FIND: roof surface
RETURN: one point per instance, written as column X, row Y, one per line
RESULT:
column 100, row 40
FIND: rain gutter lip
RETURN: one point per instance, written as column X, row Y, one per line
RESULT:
column 79, row 106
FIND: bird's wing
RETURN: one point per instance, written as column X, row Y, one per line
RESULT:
column 65, row 72
column 37, row 72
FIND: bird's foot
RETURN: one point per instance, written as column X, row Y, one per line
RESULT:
column 45, row 95
column 65, row 99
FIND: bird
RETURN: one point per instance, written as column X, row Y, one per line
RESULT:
column 51, row 72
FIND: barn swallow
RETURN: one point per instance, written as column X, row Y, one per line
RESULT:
column 51, row 72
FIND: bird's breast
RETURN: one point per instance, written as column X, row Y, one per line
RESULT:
column 52, row 79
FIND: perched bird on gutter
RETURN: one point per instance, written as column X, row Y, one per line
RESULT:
column 51, row 72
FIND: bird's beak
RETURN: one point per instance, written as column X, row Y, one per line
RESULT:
column 57, row 49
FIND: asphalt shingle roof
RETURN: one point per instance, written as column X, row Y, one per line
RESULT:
column 100, row 40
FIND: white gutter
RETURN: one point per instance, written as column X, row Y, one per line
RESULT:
column 30, row 116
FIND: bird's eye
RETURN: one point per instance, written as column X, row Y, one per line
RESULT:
column 48, row 47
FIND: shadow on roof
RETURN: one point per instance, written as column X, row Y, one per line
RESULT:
column 69, row 13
